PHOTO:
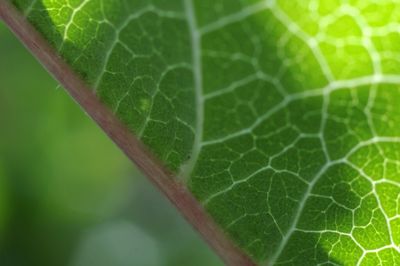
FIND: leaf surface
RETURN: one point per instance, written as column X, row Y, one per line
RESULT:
column 281, row 117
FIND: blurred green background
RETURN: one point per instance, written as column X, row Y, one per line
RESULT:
column 68, row 196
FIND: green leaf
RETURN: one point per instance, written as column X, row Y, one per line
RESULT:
column 4, row 200
column 281, row 117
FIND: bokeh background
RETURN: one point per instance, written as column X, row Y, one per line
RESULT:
column 68, row 195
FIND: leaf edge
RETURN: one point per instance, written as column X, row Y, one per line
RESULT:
column 176, row 192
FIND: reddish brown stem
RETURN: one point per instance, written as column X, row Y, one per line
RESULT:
column 175, row 191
